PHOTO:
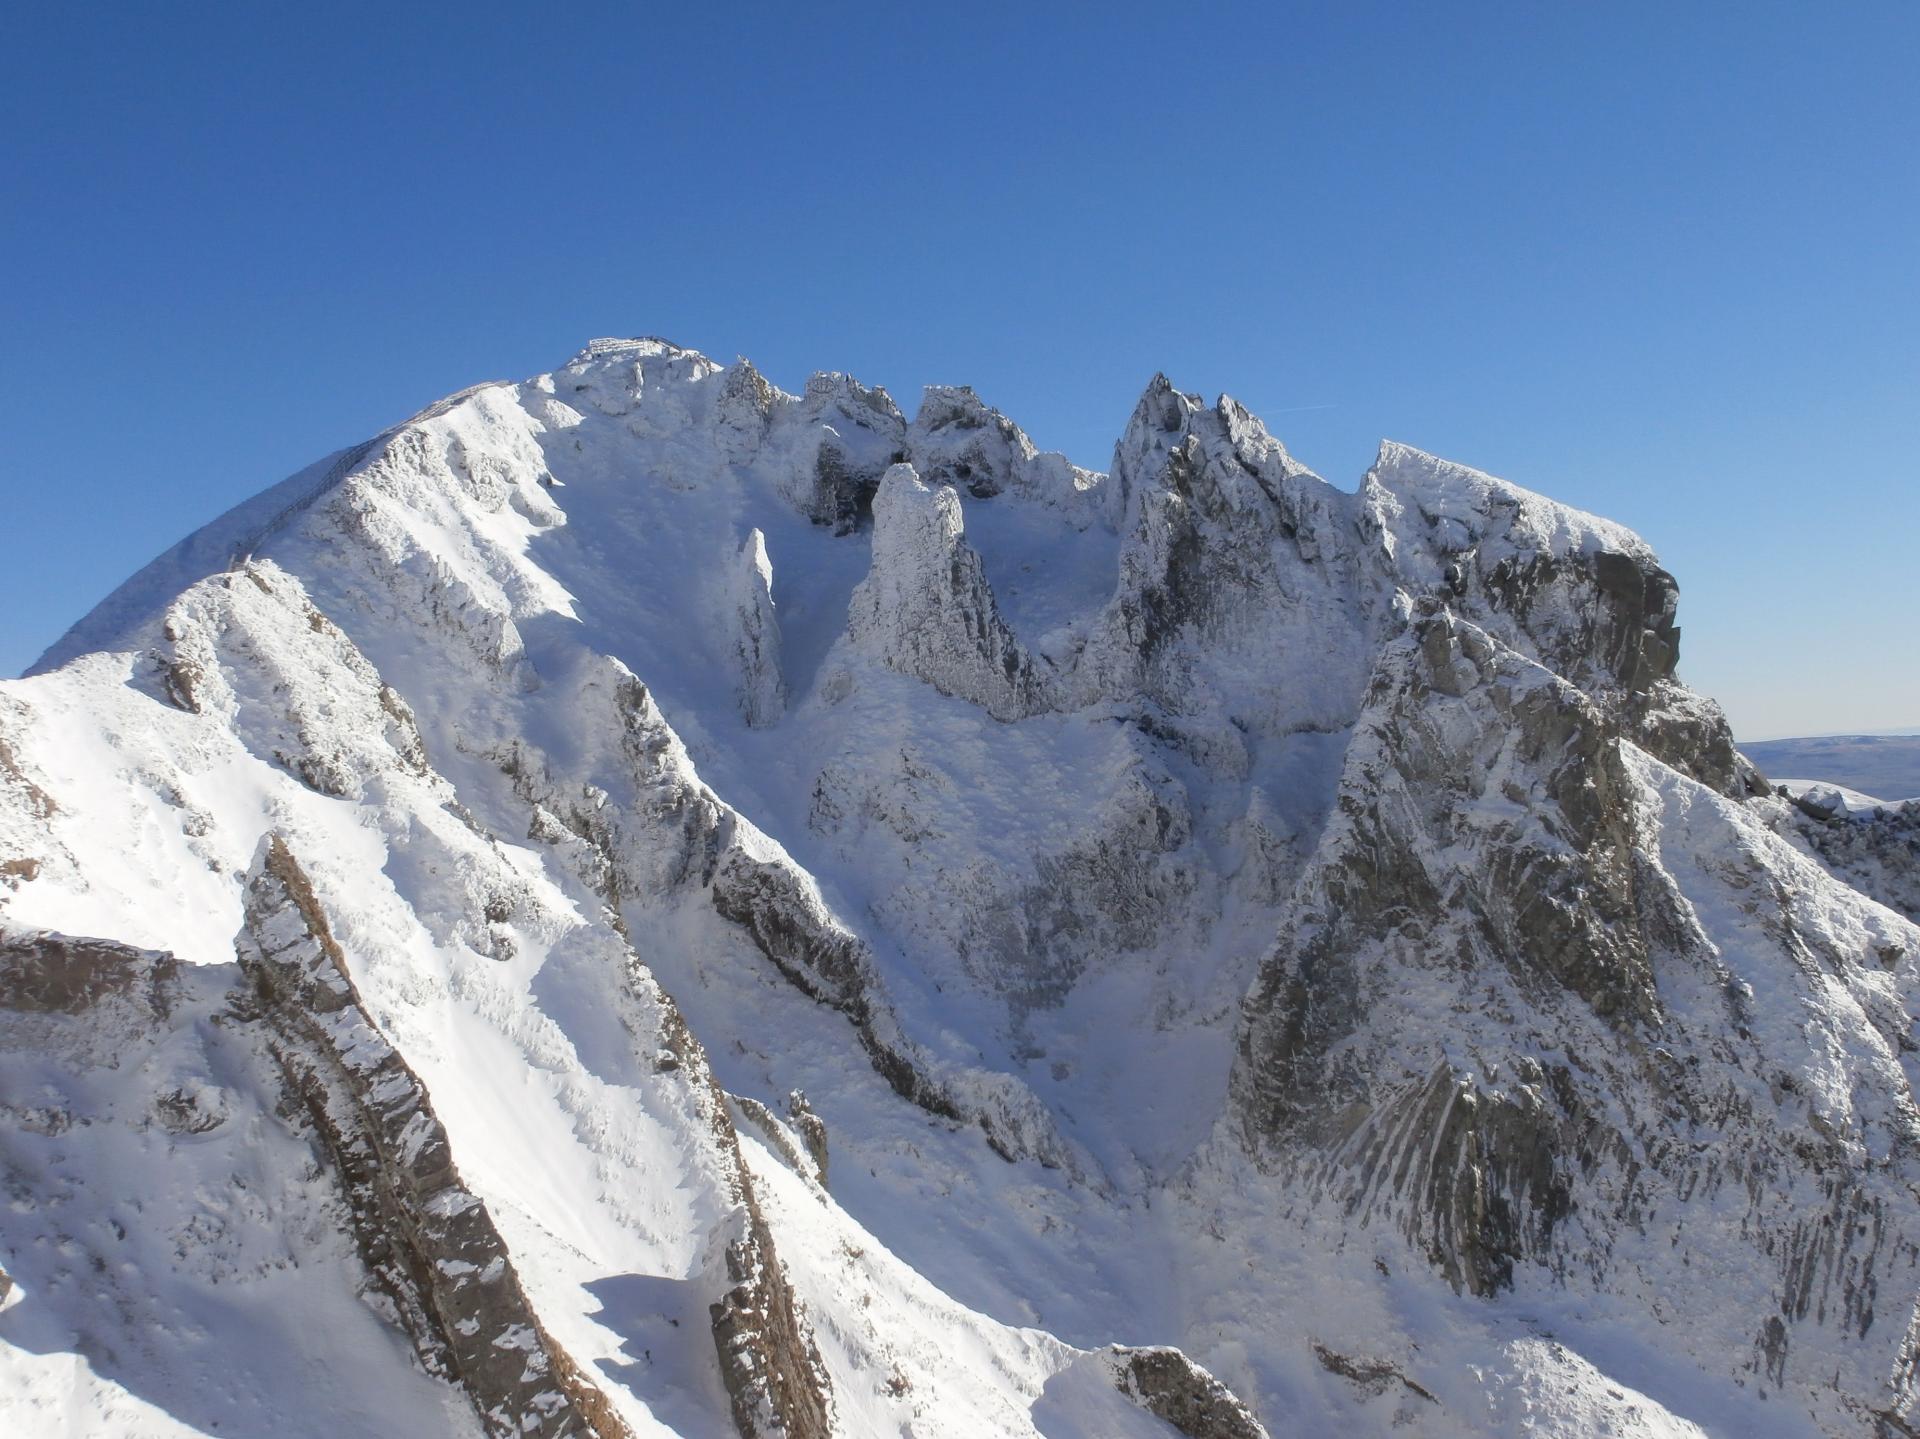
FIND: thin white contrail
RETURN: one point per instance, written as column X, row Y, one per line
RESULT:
column 1299, row 409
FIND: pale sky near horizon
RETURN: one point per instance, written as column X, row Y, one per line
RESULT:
column 1659, row 262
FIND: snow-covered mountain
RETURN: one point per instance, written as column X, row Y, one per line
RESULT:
column 637, row 903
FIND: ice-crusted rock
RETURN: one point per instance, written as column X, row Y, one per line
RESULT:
column 813, row 1131
column 643, row 378
column 957, row 439
column 756, row 631
column 926, row 609
column 781, row 911
column 1241, row 604
column 835, row 443
column 1584, row 596
column 317, row 707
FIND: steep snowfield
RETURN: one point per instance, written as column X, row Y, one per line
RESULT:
column 860, row 917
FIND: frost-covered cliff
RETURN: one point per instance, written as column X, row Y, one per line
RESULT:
column 648, row 904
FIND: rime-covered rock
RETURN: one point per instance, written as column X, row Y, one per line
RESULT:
column 1242, row 604
column 763, row 693
column 957, row 439
column 926, row 609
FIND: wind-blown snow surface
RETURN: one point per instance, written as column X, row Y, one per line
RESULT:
column 1195, row 906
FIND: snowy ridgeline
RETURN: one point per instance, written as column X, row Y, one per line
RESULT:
column 640, row 903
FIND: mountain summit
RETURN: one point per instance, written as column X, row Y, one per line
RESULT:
column 638, row 903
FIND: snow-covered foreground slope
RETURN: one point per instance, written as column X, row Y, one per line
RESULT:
column 638, row 903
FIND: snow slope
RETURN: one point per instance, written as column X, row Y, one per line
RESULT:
column 691, row 909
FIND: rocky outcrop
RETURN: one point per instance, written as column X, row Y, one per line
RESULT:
column 956, row 439
column 776, row 1135
column 1502, row 860
column 775, row 1379
column 252, row 649
column 427, row 1239
column 1371, row 1377
column 42, row 972
column 1876, row 850
column 1241, row 605
column 1584, row 597
column 834, row 444
column 1472, row 754
column 813, row 1131
column 783, row 915
column 770, row 1364
column 756, row 634
column 1170, row 1386
column 926, row 610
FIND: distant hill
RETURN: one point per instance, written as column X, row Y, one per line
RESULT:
column 1883, row 765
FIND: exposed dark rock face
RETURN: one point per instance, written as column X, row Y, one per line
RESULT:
column 858, row 432
column 1370, row 1376
column 777, row 1384
column 774, row 1376
column 429, row 1241
column 1595, row 608
column 46, row 973
column 792, row 929
column 813, row 1131
column 425, row 1237
column 790, row 926
column 1172, row 1387
column 1496, row 861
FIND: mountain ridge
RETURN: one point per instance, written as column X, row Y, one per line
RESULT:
column 1150, row 881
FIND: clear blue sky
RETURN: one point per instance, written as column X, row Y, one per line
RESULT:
column 1662, row 261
